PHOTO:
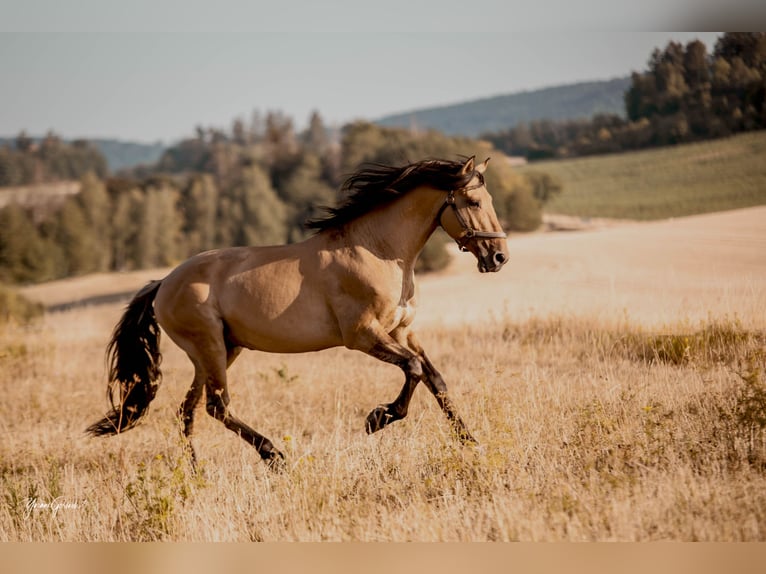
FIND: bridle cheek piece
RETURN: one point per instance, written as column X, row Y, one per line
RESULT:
column 468, row 231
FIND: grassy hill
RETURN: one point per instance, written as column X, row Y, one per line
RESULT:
column 666, row 182
column 581, row 100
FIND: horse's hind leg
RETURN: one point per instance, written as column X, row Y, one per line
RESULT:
column 211, row 356
column 191, row 400
column 389, row 348
column 186, row 413
column 217, row 406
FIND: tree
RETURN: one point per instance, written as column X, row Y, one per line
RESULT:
column 199, row 201
column 315, row 137
column 77, row 239
column 239, row 133
column 302, row 192
column 159, row 231
column 24, row 143
column 24, row 255
column 748, row 46
column 250, row 212
column 696, row 65
column 125, row 230
column 96, row 207
column 10, row 171
column 169, row 224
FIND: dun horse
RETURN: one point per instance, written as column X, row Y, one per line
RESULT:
column 350, row 284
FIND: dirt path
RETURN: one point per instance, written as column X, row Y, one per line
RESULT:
column 654, row 274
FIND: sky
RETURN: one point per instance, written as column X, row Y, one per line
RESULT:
column 156, row 82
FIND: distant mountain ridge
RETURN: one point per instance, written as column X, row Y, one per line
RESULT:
column 567, row 102
column 119, row 154
column 126, row 154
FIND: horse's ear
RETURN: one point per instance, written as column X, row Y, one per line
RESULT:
column 468, row 166
column 482, row 167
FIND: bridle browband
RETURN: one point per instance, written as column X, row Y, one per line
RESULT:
column 468, row 231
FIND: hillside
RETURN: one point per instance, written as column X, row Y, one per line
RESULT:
column 581, row 100
column 703, row 177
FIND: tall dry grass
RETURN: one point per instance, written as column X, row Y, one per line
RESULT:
column 587, row 433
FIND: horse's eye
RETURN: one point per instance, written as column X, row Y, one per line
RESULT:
column 474, row 204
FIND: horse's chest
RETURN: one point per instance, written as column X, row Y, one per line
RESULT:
column 403, row 312
column 403, row 316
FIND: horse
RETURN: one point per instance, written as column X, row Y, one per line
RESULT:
column 351, row 284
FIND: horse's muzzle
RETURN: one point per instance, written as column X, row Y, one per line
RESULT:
column 492, row 262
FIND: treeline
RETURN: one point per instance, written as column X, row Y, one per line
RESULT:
column 29, row 162
column 685, row 95
column 254, row 184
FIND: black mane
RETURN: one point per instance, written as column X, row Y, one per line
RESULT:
column 377, row 184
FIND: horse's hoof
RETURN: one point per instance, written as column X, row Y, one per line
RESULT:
column 275, row 461
column 377, row 419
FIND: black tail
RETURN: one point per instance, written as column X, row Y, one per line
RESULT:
column 134, row 358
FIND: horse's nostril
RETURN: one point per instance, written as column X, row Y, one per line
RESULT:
column 499, row 258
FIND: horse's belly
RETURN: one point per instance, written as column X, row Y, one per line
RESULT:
column 283, row 322
column 285, row 335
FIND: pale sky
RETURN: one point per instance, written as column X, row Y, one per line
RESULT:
column 159, row 83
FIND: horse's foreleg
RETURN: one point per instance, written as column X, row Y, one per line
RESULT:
column 435, row 383
column 438, row 388
column 383, row 415
column 374, row 341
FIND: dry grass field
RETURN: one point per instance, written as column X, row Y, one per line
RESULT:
column 614, row 377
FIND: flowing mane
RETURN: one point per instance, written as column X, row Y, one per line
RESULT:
column 376, row 184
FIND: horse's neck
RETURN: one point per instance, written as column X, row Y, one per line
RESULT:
column 399, row 230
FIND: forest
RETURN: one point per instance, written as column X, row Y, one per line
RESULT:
column 685, row 95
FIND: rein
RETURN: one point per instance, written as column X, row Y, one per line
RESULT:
column 468, row 231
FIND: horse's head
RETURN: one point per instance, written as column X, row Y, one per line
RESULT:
column 472, row 221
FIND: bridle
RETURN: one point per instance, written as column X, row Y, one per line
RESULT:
column 468, row 231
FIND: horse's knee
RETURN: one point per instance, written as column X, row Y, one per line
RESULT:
column 217, row 403
column 415, row 368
